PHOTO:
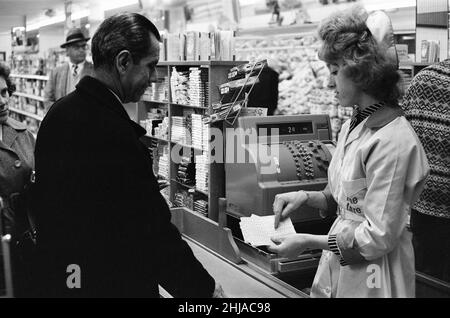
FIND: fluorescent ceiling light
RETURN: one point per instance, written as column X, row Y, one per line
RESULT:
column 106, row 5
column 248, row 2
column 388, row 4
column 46, row 22
column 115, row 4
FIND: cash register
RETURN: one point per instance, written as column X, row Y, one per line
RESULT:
column 273, row 155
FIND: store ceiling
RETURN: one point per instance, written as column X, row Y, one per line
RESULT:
column 13, row 12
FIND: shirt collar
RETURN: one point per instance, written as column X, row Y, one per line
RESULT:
column 369, row 110
column 80, row 65
column 115, row 95
column 383, row 116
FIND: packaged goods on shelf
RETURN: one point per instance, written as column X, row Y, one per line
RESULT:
column 246, row 70
column 223, row 111
column 164, row 162
column 162, row 131
column 180, row 130
column 31, row 64
column 30, row 86
column 201, row 206
column 201, row 172
column 198, row 87
column 156, row 123
column 200, row 136
column 179, row 85
column 190, row 88
column 234, row 93
column 186, row 171
column 198, row 46
column 184, row 198
column 429, row 51
column 157, row 91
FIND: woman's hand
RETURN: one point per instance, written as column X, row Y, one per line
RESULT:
column 285, row 203
column 290, row 246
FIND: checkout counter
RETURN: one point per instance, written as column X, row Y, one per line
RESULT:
column 272, row 155
column 300, row 152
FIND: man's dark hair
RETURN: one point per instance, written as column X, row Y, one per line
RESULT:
column 122, row 31
column 4, row 72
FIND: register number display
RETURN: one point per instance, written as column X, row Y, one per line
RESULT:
column 302, row 128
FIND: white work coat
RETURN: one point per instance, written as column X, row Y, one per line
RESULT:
column 376, row 174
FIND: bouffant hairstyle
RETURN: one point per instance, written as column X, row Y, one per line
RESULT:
column 346, row 37
column 4, row 72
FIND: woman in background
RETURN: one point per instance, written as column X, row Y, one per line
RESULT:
column 16, row 170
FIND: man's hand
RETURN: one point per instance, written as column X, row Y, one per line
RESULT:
column 285, row 203
column 290, row 246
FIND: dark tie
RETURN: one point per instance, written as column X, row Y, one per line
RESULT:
column 75, row 70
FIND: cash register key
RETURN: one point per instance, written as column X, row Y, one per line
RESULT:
column 310, row 143
column 299, row 175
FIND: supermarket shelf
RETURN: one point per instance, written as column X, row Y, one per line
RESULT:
column 411, row 64
column 187, row 146
column 189, row 187
column 189, row 106
column 201, row 63
column 39, row 98
column 161, row 177
column 153, row 101
column 26, row 76
column 298, row 29
column 25, row 113
column 276, row 48
column 156, row 138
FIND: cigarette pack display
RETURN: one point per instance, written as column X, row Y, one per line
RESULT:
column 201, row 173
column 244, row 70
column 184, row 198
column 163, row 164
column 201, row 206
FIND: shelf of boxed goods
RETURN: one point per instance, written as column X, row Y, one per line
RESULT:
column 32, row 105
column 198, row 63
column 414, row 66
column 38, row 98
column 27, row 76
column 25, row 113
column 190, row 187
column 208, row 184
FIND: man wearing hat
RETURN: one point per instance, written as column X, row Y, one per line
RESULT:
column 64, row 78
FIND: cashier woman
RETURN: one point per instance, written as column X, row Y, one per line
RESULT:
column 376, row 173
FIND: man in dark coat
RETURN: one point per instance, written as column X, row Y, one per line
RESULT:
column 104, row 229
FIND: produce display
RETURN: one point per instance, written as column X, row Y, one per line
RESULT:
column 304, row 80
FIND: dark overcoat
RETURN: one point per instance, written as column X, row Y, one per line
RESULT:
column 16, row 167
column 99, row 209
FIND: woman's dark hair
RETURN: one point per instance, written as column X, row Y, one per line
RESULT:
column 4, row 72
column 346, row 38
column 122, row 31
